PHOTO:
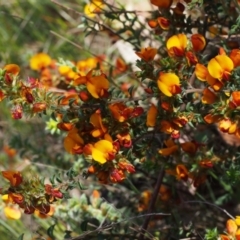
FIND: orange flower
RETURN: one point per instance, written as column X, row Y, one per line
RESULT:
column 65, row 126
column 164, row 23
column 144, row 200
column 180, row 121
column 220, row 67
column 96, row 121
column 2, row 95
column 231, row 226
column 73, row 143
column 124, row 165
column 103, row 151
column 162, row 3
column 198, row 42
column 169, row 84
column 208, row 97
column 13, row 69
column 236, row 98
column 40, row 61
column 210, row 118
column 43, row 215
column 71, row 95
column 206, row 163
column 189, row 147
column 191, row 58
column 39, row 107
column 164, row 193
column 117, row 175
column 14, row 177
column 171, row 148
column 147, row 54
column 16, row 198
column 97, row 85
column 11, row 152
column 224, row 124
column 176, row 45
column 166, row 127
column 201, row 72
column 167, row 106
column 152, row 23
column 224, row 237
column 182, row 172
column 152, row 116
column 124, row 140
column 235, row 56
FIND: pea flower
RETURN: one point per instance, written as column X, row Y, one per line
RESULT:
column 176, row 45
column 169, row 84
column 220, row 67
column 40, row 61
column 152, row 116
column 170, row 149
column 96, row 85
column 103, row 151
column 14, row 177
column 162, row 3
column 73, row 143
column 147, row 54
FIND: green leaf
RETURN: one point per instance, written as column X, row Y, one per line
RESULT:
column 20, row 237
column 81, row 186
column 50, row 231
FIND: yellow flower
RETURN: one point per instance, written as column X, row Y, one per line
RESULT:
column 220, row 67
column 147, row 54
column 97, row 85
column 152, row 116
column 93, row 7
column 176, row 45
column 12, row 212
column 40, row 61
column 169, row 84
column 231, row 226
column 67, row 72
column 103, row 151
column 203, row 75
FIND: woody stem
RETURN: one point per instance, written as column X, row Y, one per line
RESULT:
column 152, row 202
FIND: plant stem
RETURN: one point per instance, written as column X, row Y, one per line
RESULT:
column 152, row 202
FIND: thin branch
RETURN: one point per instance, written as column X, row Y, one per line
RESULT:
column 99, row 229
column 105, row 27
column 152, row 203
column 211, row 204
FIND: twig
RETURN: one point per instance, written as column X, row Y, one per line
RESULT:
column 105, row 27
column 211, row 204
column 152, row 203
column 193, row 90
column 113, row 224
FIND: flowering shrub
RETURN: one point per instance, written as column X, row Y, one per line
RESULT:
column 157, row 130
